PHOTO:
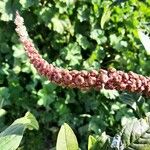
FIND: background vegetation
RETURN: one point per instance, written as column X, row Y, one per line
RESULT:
column 73, row 34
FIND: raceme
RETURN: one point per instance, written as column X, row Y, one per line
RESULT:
column 108, row 79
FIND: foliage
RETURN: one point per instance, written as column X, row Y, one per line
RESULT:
column 11, row 137
column 135, row 136
column 74, row 35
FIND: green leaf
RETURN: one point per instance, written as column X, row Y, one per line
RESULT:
column 83, row 13
column 58, row 25
column 111, row 94
column 91, row 142
column 11, row 137
column 19, row 51
column 117, row 43
column 2, row 112
column 8, row 9
column 99, row 143
column 30, row 122
column 47, row 95
column 136, row 134
column 4, row 48
column 61, row 25
column 128, row 99
column 145, row 40
column 98, row 35
column 28, row 3
column 83, row 41
column 66, row 139
column 72, row 53
column 135, row 100
column 104, row 141
column 4, row 96
column 105, row 17
column 45, row 14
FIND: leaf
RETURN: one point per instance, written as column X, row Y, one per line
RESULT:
column 83, row 13
column 135, row 100
column 4, row 96
column 83, row 41
column 117, row 43
column 91, row 142
column 61, row 25
column 4, row 48
column 46, row 95
column 11, row 137
column 30, row 122
column 128, row 99
column 8, row 9
column 145, row 40
column 136, row 134
column 110, row 94
column 2, row 112
column 98, row 35
column 99, row 143
column 72, row 53
column 45, row 14
column 28, row 3
column 19, row 51
column 58, row 25
column 66, row 139
column 105, row 17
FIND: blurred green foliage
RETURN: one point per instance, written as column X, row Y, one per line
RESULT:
column 73, row 34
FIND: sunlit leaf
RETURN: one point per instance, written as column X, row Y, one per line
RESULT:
column 28, row 3
column 105, row 17
column 83, row 41
column 66, row 139
column 19, row 51
column 98, row 35
column 111, row 94
column 145, row 40
column 2, row 112
column 61, row 25
column 83, row 12
column 94, row 144
column 91, row 142
column 102, row 142
column 8, row 9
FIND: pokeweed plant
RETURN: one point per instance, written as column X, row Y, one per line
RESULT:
column 134, row 135
column 73, row 34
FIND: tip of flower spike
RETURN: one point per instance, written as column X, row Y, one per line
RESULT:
column 17, row 12
column 17, row 15
column 18, row 19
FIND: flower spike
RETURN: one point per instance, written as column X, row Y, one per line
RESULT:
column 109, row 79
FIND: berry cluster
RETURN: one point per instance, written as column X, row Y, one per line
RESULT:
column 111, row 79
